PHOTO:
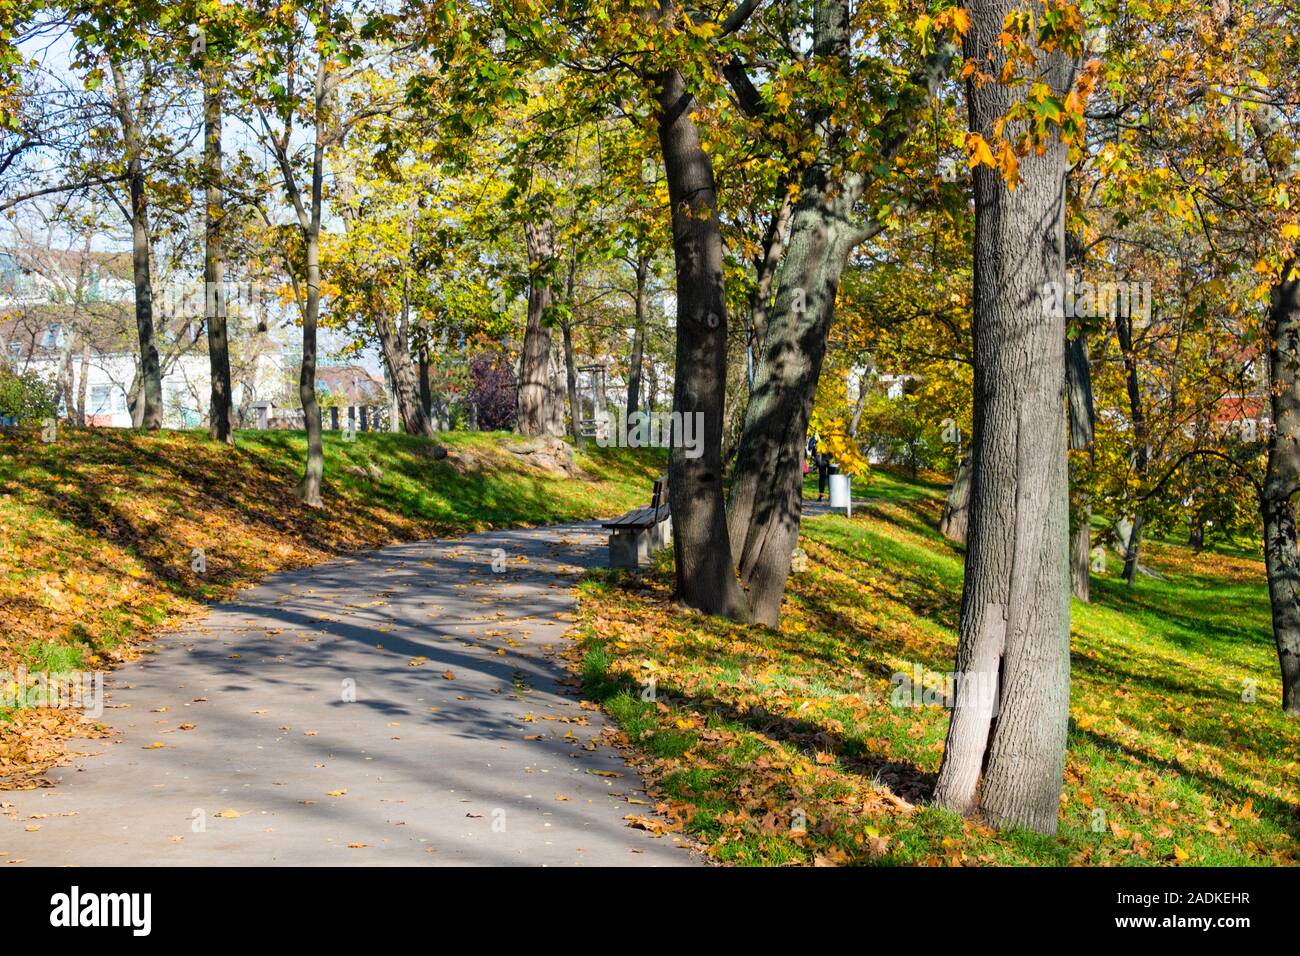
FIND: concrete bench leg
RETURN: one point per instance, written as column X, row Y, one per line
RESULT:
column 662, row 534
column 629, row 549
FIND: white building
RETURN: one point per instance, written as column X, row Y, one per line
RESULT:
column 73, row 321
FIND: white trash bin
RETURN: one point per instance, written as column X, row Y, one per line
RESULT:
column 841, row 494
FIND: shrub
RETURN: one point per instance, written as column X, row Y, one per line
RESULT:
column 26, row 396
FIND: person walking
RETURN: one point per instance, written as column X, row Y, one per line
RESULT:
column 823, row 464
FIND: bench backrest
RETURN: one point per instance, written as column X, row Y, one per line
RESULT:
column 659, row 496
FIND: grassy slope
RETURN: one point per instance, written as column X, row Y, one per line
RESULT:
column 1166, row 764
column 97, row 530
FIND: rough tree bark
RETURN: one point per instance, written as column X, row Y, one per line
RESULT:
column 221, row 410
column 1014, row 630
column 535, row 389
column 1281, row 482
column 956, row 510
column 705, row 575
column 132, row 140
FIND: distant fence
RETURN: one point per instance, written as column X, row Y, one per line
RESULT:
column 361, row 418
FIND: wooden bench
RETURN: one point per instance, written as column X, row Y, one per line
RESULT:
column 635, row 536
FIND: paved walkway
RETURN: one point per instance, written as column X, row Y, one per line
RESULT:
column 400, row 707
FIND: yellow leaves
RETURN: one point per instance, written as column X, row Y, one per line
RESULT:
column 336, row 793
column 156, row 745
column 228, row 814
column 1009, row 164
column 1291, row 231
column 652, row 826
column 979, row 152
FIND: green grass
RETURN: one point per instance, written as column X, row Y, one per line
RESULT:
column 1169, row 760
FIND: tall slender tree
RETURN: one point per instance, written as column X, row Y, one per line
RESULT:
column 1005, row 751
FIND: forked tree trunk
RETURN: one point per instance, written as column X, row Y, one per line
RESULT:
column 706, row 578
column 956, row 510
column 404, row 377
column 765, row 505
column 1014, row 630
column 763, row 510
column 221, row 410
column 1281, row 482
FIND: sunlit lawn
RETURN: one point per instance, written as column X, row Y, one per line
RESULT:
column 786, row 748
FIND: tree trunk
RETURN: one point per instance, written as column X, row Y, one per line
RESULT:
column 1078, row 381
column 82, row 379
column 766, row 493
column 1142, row 453
column 956, row 510
column 767, row 489
column 571, row 382
column 150, row 372
column 1131, row 549
column 310, row 487
column 637, row 357
column 1081, row 555
column 426, row 388
column 766, row 266
column 705, row 575
column 535, row 390
column 221, row 405
column 1014, row 634
column 309, row 218
column 1282, row 480
column 405, row 380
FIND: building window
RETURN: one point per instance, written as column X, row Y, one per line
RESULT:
column 100, row 396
